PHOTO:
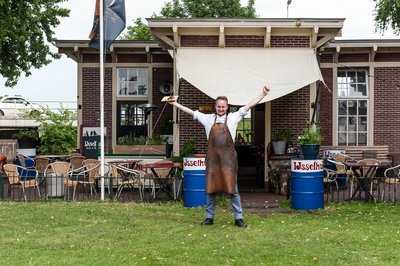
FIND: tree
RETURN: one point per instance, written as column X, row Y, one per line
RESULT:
column 387, row 13
column 57, row 132
column 25, row 34
column 138, row 31
column 193, row 8
column 209, row 9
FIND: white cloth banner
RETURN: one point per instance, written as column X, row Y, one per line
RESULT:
column 240, row 73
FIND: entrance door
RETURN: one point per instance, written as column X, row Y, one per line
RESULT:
column 130, row 121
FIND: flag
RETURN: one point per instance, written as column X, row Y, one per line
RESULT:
column 114, row 22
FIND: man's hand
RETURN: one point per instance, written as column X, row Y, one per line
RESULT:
column 265, row 90
column 170, row 99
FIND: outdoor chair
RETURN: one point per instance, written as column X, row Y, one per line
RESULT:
column 331, row 173
column 14, row 178
column 57, row 170
column 85, row 175
column 28, row 170
column 76, row 161
column 391, row 176
column 127, row 178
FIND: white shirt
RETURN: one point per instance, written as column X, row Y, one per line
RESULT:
column 207, row 120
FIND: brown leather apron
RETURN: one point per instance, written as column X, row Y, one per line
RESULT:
column 221, row 163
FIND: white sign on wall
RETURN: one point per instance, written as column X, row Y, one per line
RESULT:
column 194, row 163
column 93, row 131
column 303, row 166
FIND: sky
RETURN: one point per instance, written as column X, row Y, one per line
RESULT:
column 57, row 82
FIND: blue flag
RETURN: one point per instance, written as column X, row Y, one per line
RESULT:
column 114, row 22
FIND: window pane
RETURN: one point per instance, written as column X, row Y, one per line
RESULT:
column 362, row 89
column 352, row 123
column 362, row 123
column 362, row 108
column 352, row 90
column 341, row 74
column 362, row 139
column 342, row 124
column 342, row 138
column 132, row 88
column 342, row 90
column 352, row 138
column 351, row 77
column 352, row 107
column 361, row 76
column 122, row 88
column 342, row 110
column 122, row 74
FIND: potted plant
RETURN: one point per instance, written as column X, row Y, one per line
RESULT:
column 280, row 140
column 310, row 142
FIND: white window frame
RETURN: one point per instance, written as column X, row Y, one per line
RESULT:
column 137, row 95
column 353, row 98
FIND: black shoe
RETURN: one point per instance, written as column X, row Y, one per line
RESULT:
column 240, row 223
column 208, row 221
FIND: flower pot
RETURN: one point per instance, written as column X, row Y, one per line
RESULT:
column 279, row 147
column 310, row 151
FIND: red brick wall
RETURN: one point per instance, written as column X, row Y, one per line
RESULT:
column 95, row 58
column 291, row 111
column 161, row 58
column 191, row 97
column 326, row 58
column 132, row 58
column 91, row 101
column 160, row 76
column 244, row 41
column 353, row 57
column 290, row 41
column 386, row 107
column 326, row 106
column 387, row 57
column 199, row 41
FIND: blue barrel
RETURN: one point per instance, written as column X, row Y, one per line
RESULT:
column 194, row 182
column 307, row 184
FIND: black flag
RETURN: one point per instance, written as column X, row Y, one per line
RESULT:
column 114, row 22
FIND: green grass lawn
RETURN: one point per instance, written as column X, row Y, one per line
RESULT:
column 95, row 233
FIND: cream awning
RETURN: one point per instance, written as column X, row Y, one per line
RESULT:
column 240, row 73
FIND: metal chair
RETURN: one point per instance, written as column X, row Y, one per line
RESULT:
column 13, row 174
column 127, row 178
column 368, row 173
column 391, row 176
column 85, row 175
column 76, row 161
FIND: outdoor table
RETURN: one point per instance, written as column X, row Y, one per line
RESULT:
column 363, row 180
column 132, row 164
column 163, row 181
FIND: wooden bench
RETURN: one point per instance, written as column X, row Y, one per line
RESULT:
column 380, row 152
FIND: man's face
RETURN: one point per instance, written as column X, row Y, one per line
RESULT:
column 221, row 107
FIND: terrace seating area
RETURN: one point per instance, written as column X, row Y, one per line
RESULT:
column 74, row 177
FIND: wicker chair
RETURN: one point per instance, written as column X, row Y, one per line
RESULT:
column 13, row 174
column 76, row 161
column 60, row 170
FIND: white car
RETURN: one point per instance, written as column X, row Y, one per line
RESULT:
column 12, row 107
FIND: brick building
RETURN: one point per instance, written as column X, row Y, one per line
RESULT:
column 359, row 107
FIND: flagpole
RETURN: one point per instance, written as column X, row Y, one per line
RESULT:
column 102, row 98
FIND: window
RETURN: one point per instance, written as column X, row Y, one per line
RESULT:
column 131, row 115
column 352, row 107
column 244, row 131
column 132, row 81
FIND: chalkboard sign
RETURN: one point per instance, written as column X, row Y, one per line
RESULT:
column 91, row 146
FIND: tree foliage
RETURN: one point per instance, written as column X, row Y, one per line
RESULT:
column 387, row 14
column 208, row 9
column 138, row 31
column 57, row 133
column 26, row 30
column 193, row 8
